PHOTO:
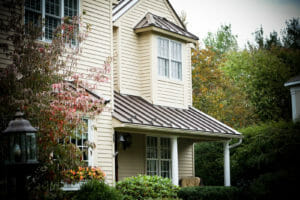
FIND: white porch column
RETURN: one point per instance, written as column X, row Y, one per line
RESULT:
column 174, row 152
column 226, row 163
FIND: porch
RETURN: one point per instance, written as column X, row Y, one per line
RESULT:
column 159, row 140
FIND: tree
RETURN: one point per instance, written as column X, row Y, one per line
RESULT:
column 33, row 78
column 261, row 75
column 221, row 42
column 215, row 94
column 291, row 34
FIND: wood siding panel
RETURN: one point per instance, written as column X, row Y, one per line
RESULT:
column 136, row 50
column 96, row 48
column 131, row 161
column 185, row 158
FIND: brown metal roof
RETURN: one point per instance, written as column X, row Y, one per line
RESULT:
column 161, row 22
column 136, row 110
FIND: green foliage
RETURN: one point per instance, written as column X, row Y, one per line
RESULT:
column 147, row 187
column 215, row 94
column 221, row 42
column 266, row 148
column 291, row 34
column 209, row 162
column 97, row 190
column 209, row 193
column 261, row 75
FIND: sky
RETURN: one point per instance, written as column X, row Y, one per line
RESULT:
column 245, row 16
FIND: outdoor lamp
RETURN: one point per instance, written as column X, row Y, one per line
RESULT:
column 21, row 140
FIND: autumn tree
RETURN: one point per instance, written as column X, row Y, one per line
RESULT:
column 39, row 78
column 215, row 94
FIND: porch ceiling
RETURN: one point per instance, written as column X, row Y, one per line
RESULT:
column 134, row 112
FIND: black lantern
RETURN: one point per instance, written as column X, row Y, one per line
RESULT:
column 21, row 138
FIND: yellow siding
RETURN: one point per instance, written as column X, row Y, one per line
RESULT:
column 96, row 48
column 185, row 158
column 137, row 59
column 132, row 160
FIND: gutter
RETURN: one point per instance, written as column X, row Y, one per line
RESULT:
column 176, row 131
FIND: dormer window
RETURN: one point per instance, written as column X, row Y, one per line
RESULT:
column 169, row 59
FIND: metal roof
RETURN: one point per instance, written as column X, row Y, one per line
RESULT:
column 162, row 23
column 131, row 109
column 293, row 81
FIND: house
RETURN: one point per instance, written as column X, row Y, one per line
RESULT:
column 150, row 126
column 294, row 85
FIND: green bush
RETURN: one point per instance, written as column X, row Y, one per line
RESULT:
column 97, row 190
column 147, row 187
column 208, row 193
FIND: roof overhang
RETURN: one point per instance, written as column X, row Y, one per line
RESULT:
column 164, row 32
column 196, row 135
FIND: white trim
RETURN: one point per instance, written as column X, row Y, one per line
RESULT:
column 226, row 164
column 90, row 139
column 174, row 153
column 122, row 10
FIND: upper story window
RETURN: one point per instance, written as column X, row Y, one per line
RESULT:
column 169, row 59
column 52, row 11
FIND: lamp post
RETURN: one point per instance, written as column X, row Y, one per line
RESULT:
column 20, row 137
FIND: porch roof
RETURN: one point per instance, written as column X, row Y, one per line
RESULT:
column 135, row 110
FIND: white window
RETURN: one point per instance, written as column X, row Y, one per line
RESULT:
column 52, row 11
column 158, row 156
column 169, row 59
column 82, row 136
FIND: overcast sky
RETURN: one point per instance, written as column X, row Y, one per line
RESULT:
column 245, row 16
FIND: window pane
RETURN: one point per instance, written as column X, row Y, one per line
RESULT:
column 176, row 51
column 165, row 149
column 163, row 67
column 33, row 17
column 50, row 26
column 33, row 4
column 70, row 8
column 163, row 48
column 151, row 147
column 176, row 71
column 165, row 169
column 152, row 168
column 53, row 7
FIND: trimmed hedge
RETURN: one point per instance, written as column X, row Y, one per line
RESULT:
column 147, row 187
column 209, row 193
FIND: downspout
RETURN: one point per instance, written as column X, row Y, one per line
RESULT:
column 227, row 148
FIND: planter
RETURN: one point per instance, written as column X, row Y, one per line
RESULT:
column 73, row 186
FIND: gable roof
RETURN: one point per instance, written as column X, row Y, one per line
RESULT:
column 124, row 5
column 135, row 110
column 162, row 23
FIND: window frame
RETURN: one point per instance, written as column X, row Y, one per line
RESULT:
column 170, row 60
column 44, row 14
column 159, row 158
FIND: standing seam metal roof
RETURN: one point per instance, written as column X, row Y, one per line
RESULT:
column 136, row 110
column 161, row 22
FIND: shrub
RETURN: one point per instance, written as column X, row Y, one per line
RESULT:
column 147, row 187
column 97, row 190
column 208, row 193
column 83, row 173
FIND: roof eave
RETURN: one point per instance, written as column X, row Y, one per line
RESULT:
column 294, row 83
column 165, row 32
column 178, row 132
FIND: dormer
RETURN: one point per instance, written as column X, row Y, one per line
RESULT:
column 153, row 53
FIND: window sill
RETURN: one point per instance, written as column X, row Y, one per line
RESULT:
column 73, row 186
column 173, row 81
